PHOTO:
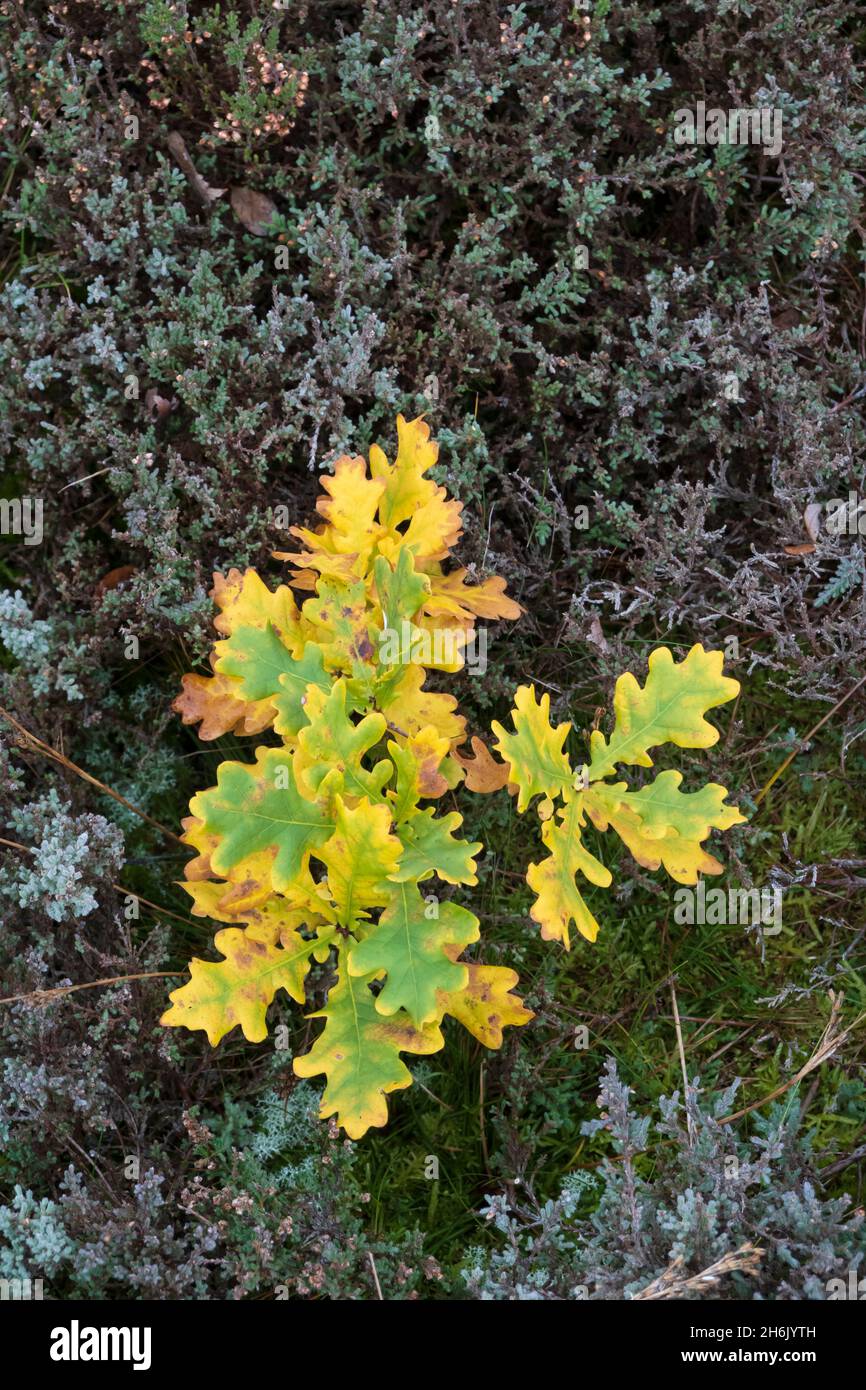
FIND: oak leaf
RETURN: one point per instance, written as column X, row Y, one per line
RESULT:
column 359, row 1053
column 221, row 995
column 257, row 809
column 408, row 945
column 534, row 752
column 360, row 856
column 485, row 1005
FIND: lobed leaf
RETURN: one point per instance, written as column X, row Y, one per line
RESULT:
column 486, row 1005
column 236, row 991
column 683, row 857
column 429, row 847
column 358, row 1052
column 558, row 902
column 331, row 742
column 360, row 856
column 670, row 708
column 408, row 944
column 534, row 753
column 257, row 809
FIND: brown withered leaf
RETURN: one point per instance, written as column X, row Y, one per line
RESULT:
column 202, row 189
column 799, row 549
column 255, row 210
column 812, row 520
column 597, row 637
column 112, row 579
column 483, row 772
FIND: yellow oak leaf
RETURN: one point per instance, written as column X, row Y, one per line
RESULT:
column 342, row 548
column 405, row 487
column 440, row 643
column 433, row 529
column 221, row 995
column 350, row 508
column 359, row 1053
column 409, row 708
column 306, row 905
column 317, row 563
column 486, row 1005
column 534, row 752
column 670, row 708
column 245, row 601
column 451, row 596
column 359, row 856
column 558, row 901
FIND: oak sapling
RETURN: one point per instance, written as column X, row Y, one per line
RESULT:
column 318, row 849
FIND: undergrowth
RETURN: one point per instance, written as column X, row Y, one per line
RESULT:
column 174, row 383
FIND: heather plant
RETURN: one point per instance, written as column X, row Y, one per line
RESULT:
column 287, row 1197
column 71, row 856
column 721, row 1211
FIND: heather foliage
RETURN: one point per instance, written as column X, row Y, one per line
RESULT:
column 713, row 1193
column 237, row 242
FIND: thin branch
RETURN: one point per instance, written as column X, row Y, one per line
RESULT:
column 674, row 1281
column 30, row 740
column 44, row 996
column 379, row 1293
column 803, row 741
column 829, row 1042
column 684, row 1069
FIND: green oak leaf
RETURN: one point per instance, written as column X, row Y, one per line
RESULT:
column 402, row 590
column 267, row 669
column 429, row 848
column 359, row 1053
column 258, row 807
column 331, row 740
column 670, row 708
column 408, row 944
